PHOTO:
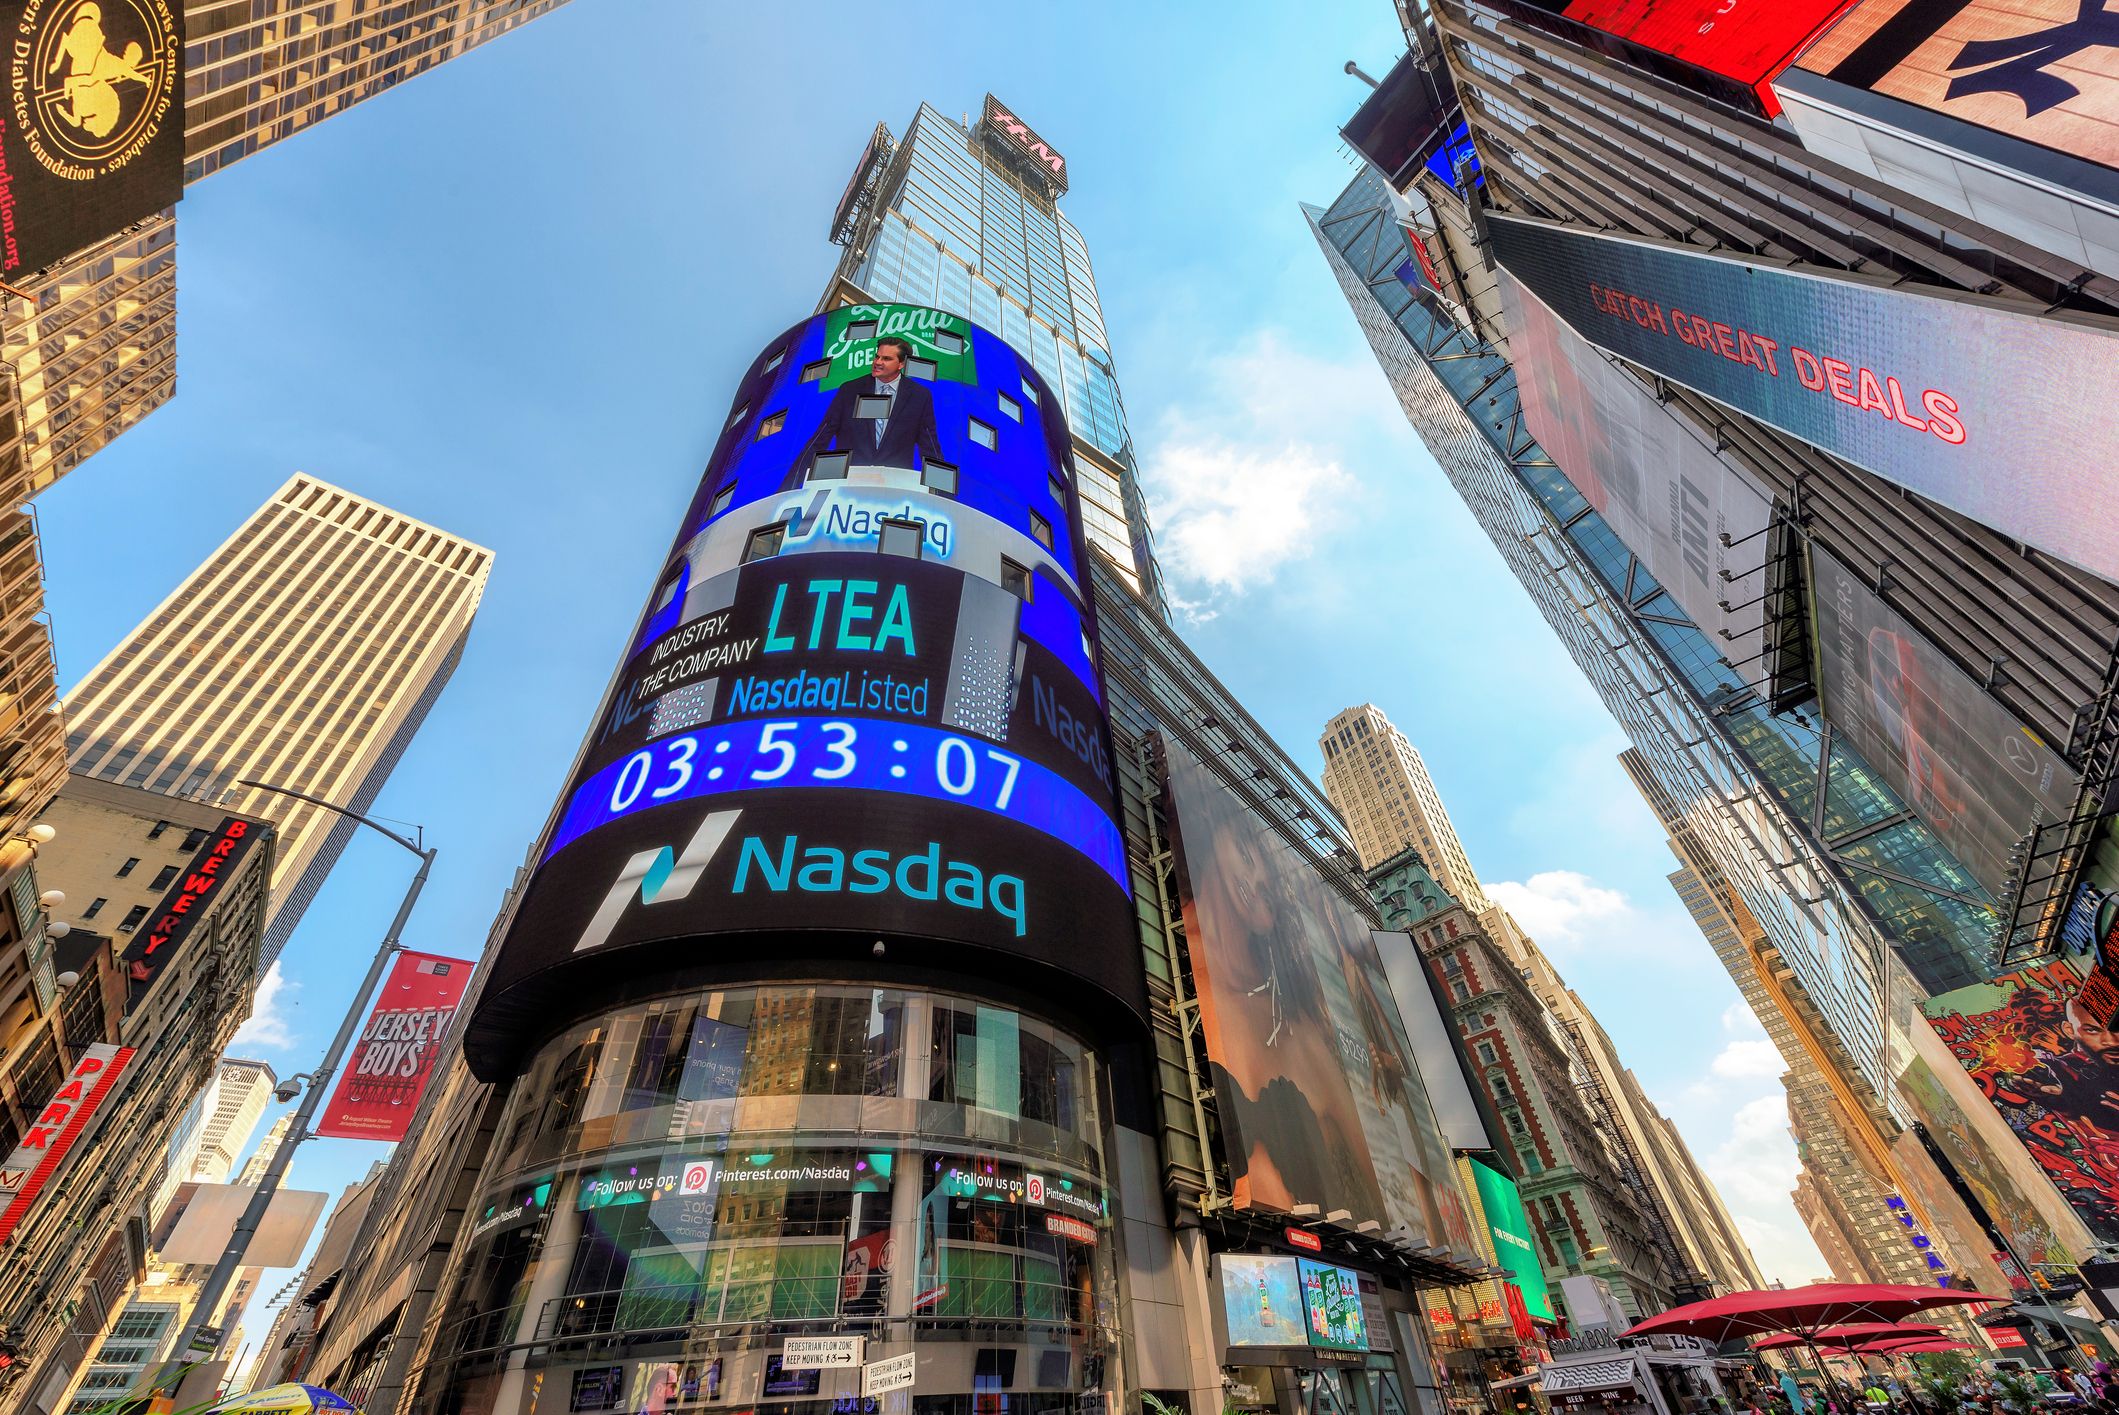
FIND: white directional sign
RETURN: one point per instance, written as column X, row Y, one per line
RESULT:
column 810, row 1353
column 893, row 1374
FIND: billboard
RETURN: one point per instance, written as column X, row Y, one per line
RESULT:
column 395, row 1053
column 188, row 899
column 1019, row 138
column 1509, row 1227
column 1995, row 413
column 92, row 138
column 1319, row 1099
column 1407, row 120
column 51, row 1135
column 2042, row 1044
column 1745, row 41
column 1261, row 1295
column 2044, row 73
column 1331, row 1304
column 862, row 702
column 1968, row 768
column 1695, row 521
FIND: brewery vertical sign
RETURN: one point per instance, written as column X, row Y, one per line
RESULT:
column 92, row 135
column 388, row 1069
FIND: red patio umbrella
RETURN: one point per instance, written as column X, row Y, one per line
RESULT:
column 1805, row 1311
column 1858, row 1336
column 1930, row 1346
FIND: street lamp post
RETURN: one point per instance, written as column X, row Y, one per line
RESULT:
column 231, row 1259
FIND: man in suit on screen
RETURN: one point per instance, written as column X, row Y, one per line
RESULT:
column 884, row 420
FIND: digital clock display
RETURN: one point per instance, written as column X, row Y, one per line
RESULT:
column 862, row 703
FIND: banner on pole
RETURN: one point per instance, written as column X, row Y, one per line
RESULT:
column 387, row 1071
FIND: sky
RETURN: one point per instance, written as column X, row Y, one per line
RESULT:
column 512, row 299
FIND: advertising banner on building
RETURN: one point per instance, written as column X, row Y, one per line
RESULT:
column 54, row 1130
column 92, row 137
column 862, row 702
column 2045, row 73
column 1320, row 1101
column 1696, row 522
column 1746, row 42
column 1509, row 1226
column 162, row 937
column 1953, row 754
column 1996, row 414
column 387, row 1071
column 2042, row 1043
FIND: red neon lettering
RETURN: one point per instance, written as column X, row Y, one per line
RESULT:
column 1898, row 406
column 1724, row 342
column 71, row 1091
column 1942, row 416
column 223, row 847
column 155, row 941
column 55, row 1114
column 237, row 828
column 39, row 1138
column 197, row 884
column 1807, row 371
column 1837, row 383
column 1757, row 350
column 1872, row 393
column 88, row 1066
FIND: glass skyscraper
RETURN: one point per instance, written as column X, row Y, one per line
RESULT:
column 952, row 220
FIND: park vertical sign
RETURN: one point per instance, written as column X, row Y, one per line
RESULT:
column 92, row 132
column 395, row 1054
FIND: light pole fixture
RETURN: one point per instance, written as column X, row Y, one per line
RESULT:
column 246, row 1227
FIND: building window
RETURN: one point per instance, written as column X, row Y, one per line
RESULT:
column 938, row 477
column 132, row 918
column 983, row 435
column 1009, row 407
column 127, row 868
column 765, row 542
column 1041, row 530
column 814, row 373
column 922, row 369
column 722, row 498
column 947, row 340
column 163, row 876
column 95, row 907
column 779, row 357
column 1058, row 489
column 771, row 424
column 742, row 411
column 156, row 833
column 1487, row 1055
column 1015, row 579
column 901, row 538
column 1514, row 1120
column 1029, row 390
column 830, row 466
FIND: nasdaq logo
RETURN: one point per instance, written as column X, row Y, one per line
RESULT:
column 659, row 876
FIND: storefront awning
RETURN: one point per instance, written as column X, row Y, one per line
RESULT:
column 1529, row 1378
column 1587, row 1376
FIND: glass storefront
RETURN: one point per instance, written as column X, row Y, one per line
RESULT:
column 683, row 1195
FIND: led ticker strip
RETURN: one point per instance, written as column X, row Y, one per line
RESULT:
column 901, row 758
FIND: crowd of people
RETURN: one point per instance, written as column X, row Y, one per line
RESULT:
column 1978, row 1392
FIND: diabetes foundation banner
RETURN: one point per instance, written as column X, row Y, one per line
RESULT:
column 2003, row 416
column 395, row 1054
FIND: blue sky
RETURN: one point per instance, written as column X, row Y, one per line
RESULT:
column 511, row 298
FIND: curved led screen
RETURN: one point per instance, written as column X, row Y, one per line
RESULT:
column 862, row 704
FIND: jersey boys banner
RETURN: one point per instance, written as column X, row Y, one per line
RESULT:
column 387, row 1070
column 1320, row 1100
column 862, row 706
column 2043, row 1044
column 1971, row 771
column 92, row 136
column 2005, row 417
column 1694, row 520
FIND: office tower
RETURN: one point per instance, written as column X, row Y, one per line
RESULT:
column 166, row 901
column 217, row 1125
column 967, row 219
column 305, row 653
column 1376, row 779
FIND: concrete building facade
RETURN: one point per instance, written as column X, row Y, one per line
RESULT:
column 1376, row 779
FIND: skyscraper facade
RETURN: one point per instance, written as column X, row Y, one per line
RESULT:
column 1380, row 786
column 305, row 653
column 963, row 217
column 216, row 1126
column 1823, row 605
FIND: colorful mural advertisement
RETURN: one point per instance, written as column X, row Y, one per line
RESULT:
column 2042, row 1043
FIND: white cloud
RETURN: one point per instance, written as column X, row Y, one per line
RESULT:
column 1751, row 1056
column 1738, row 1018
column 1252, row 478
column 1755, row 1170
column 268, row 1025
column 1558, row 906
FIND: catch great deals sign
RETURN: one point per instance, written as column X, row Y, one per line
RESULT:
column 390, row 1064
column 2003, row 416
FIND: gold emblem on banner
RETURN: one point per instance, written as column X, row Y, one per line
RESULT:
column 92, row 81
